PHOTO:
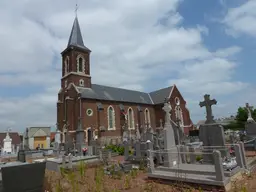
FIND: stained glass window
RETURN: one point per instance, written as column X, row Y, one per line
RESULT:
column 110, row 117
column 130, row 118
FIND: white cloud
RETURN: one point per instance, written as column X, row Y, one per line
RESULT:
column 128, row 41
column 242, row 19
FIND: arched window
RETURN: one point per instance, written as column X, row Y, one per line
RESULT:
column 66, row 65
column 179, row 116
column 81, row 82
column 147, row 116
column 130, row 119
column 80, row 63
column 111, row 118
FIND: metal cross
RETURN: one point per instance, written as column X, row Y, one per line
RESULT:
column 207, row 103
column 8, row 129
column 76, row 9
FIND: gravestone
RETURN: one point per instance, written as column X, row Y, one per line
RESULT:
column 211, row 133
column 21, row 155
column 57, row 137
column 68, row 146
column 250, row 125
column 171, row 154
column 26, row 142
column 125, row 135
column 64, row 132
column 23, row 177
column 7, row 143
column 137, row 138
column 79, row 138
column 150, row 134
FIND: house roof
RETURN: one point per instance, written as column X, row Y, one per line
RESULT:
column 13, row 135
column 39, row 131
column 101, row 92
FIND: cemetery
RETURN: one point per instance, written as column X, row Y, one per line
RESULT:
column 152, row 159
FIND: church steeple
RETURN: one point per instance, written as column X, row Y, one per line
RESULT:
column 76, row 60
column 75, row 38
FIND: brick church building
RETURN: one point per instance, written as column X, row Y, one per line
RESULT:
column 102, row 109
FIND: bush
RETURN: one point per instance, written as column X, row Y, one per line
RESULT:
column 199, row 157
column 116, row 149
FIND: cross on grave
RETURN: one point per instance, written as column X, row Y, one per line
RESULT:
column 249, row 108
column 167, row 109
column 207, row 103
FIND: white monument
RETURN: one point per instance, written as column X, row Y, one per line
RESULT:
column 7, row 143
column 57, row 137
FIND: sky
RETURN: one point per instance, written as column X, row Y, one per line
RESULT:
column 202, row 46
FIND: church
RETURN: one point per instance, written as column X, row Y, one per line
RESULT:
column 102, row 110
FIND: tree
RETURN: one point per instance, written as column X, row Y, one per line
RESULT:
column 242, row 114
column 241, row 118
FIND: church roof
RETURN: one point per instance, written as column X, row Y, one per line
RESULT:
column 101, row 92
column 75, row 38
column 158, row 96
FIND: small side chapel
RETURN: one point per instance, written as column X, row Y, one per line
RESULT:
column 103, row 110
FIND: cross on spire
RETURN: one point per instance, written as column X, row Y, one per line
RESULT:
column 76, row 9
column 207, row 103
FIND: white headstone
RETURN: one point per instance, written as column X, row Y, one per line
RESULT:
column 57, row 137
column 7, row 144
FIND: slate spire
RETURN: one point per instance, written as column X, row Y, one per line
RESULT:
column 75, row 38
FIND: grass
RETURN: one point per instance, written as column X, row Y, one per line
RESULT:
column 84, row 178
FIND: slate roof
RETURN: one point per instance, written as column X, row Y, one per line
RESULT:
column 159, row 96
column 16, row 140
column 101, row 92
column 75, row 38
column 33, row 130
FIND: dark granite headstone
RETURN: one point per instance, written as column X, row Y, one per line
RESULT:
column 23, row 178
column 21, row 156
column 250, row 128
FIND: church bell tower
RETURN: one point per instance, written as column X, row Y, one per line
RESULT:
column 76, row 60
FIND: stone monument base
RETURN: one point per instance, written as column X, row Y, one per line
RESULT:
column 213, row 138
column 250, row 128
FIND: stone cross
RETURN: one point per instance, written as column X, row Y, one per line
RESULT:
column 249, row 108
column 167, row 109
column 207, row 103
